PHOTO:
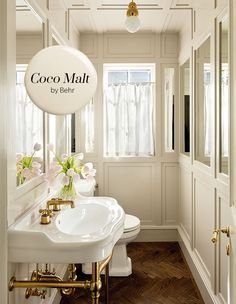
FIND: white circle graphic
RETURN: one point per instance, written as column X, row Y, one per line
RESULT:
column 60, row 80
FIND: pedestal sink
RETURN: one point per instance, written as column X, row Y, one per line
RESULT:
column 84, row 234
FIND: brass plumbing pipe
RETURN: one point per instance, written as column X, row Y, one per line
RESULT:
column 103, row 264
column 67, row 287
column 40, row 284
column 54, row 278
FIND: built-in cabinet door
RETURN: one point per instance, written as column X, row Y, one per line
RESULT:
column 224, row 236
column 225, row 242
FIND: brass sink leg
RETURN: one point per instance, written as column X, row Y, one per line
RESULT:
column 107, row 284
column 96, row 283
column 47, row 279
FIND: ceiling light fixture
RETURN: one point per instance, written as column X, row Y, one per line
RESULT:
column 132, row 22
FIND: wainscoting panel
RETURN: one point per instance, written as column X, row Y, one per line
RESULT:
column 27, row 46
column 204, row 223
column 169, row 46
column 89, row 45
column 141, row 45
column 185, row 202
column 135, row 188
column 170, row 193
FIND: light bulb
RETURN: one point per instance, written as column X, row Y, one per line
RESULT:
column 132, row 24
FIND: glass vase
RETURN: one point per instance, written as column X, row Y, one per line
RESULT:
column 68, row 192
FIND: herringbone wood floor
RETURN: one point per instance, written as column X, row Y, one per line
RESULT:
column 160, row 276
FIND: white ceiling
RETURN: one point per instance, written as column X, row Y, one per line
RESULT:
column 26, row 20
column 155, row 15
column 101, row 16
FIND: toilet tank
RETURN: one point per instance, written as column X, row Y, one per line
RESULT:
column 86, row 187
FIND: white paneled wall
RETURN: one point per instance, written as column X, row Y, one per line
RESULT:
column 203, row 225
column 28, row 196
column 185, row 201
column 27, row 46
column 203, row 198
column 133, row 185
column 170, row 193
column 140, row 184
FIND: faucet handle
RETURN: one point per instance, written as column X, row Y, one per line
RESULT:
column 46, row 211
column 46, row 215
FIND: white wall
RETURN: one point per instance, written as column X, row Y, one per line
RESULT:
column 204, row 192
column 141, row 185
column 200, row 191
column 28, row 196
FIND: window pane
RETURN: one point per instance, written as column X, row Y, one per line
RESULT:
column 117, row 77
column 29, row 132
column 140, row 76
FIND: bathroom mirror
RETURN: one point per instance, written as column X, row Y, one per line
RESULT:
column 224, row 95
column 203, row 103
column 61, row 128
column 185, row 98
column 169, row 98
column 29, row 118
column 84, row 129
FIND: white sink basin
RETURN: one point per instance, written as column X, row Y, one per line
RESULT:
column 86, row 221
column 83, row 234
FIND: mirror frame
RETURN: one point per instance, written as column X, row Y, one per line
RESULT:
column 221, row 175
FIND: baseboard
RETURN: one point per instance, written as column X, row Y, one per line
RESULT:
column 202, row 282
column 157, row 234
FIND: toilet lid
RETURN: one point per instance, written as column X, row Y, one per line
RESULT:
column 131, row 223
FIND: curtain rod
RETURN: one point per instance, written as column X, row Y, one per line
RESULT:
column 115, row 83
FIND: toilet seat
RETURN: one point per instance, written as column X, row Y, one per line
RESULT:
column 131, row 223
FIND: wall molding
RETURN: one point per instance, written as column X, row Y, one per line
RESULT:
column 158, row 234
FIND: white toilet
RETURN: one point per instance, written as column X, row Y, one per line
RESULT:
column 121, row 265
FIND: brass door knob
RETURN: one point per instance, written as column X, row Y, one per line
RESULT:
column 216, row 232
column 214, row 236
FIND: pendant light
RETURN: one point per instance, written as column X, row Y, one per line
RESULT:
column 132, row 22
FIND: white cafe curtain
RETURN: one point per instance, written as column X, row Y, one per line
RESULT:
column 129, row 120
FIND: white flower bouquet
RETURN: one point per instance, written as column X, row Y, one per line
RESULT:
column 26, row 167
column 66, row 171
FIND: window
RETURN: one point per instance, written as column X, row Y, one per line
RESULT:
column 29, row 118
column 30, row 127
column 129, row 94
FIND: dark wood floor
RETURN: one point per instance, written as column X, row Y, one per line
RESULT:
column 160, row 276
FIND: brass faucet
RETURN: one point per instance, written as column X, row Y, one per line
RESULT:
column 57, row 202
column 46, row 216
